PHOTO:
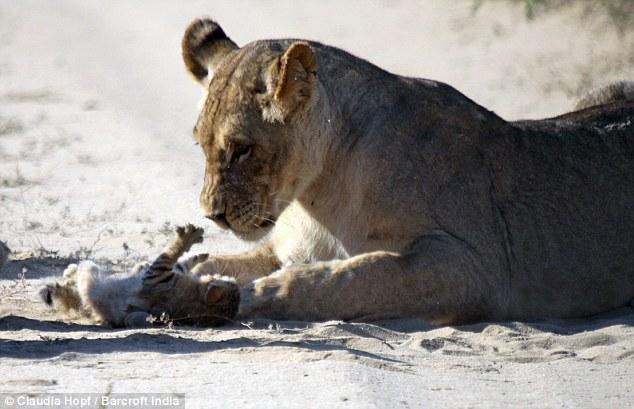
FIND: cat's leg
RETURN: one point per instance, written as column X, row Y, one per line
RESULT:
column 161, row 269
column 70, row 274
column 188, row 264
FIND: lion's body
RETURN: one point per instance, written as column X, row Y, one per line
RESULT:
column 401, row 197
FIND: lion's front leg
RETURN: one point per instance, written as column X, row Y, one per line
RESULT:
column 244, row 267
column 438, row 280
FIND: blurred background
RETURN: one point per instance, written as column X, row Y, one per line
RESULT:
column 96, row 112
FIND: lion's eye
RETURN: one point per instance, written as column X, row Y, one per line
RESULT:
column 240, row 153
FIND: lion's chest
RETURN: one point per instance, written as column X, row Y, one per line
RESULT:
column 299, row 238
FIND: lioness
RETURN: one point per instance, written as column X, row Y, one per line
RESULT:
column 388, row 196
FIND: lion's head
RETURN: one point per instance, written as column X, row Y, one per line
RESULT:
column 257, row 99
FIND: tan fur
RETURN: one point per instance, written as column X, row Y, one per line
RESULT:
column 397, row 197
column 197, row 47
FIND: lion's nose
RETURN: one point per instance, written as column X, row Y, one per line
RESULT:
column 220, row 218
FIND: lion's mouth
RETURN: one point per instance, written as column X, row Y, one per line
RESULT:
column 267, row 222
column 254, row 231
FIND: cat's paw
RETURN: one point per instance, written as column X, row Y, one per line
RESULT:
column 70, row 272
column 190, row 235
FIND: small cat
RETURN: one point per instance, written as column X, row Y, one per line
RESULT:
column 164, row 290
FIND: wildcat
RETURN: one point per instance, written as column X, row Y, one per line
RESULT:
column 166, row 289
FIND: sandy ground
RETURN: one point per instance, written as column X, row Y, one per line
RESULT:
column 96, row 161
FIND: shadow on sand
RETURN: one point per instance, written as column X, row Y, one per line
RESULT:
column 35, row 266
column 142, row 340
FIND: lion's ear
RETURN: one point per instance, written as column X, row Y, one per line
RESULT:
column 204, row 45
column 297, row 72
column 294, row 77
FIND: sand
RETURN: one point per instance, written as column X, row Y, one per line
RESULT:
column 97, row 162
